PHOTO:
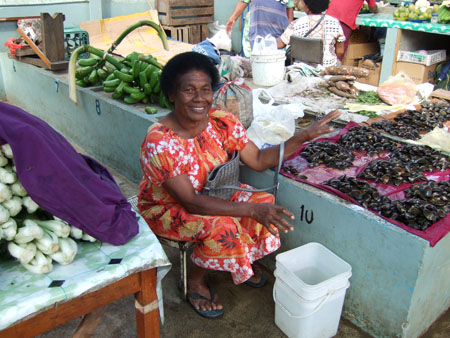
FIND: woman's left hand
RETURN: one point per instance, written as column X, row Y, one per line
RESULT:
column 271, row 216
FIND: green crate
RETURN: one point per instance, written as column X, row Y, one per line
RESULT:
column 75, row 37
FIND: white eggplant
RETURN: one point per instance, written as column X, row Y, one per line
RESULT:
column 6, row 176
column 28, row 232
column 18, row 189
column 48, row 244
column 9, row 229
column 29, row 204
column 6, row 150
column 67, row 252
column 5, row 192
column 4, row 214
column 39, row 264
column 59, row 227
column 14, row 205
column 75, row 232
column 88, row 238
column 22, row 252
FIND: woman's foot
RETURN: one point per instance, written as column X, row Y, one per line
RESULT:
column 200, row 295
column 258, row 279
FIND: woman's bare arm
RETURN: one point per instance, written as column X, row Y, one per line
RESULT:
column 262, row 159
column 181, row 189
column 238, row 10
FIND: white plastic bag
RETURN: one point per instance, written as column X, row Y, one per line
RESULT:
column 264, row 45
column 271, row 124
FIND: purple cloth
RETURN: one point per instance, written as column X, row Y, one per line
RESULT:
column 70, row 186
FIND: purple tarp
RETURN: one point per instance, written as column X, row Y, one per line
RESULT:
column 71, row 186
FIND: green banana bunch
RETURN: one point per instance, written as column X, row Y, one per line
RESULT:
column 138, row 81
column 444, row 14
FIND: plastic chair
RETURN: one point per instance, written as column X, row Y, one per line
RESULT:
column 180, row 245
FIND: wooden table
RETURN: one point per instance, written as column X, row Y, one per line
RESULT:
column 101, row 274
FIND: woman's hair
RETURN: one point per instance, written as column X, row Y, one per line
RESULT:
column 181, row 64
column 317, row 6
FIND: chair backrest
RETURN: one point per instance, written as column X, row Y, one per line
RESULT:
column 306, row 49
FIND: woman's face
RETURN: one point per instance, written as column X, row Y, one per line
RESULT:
column 193, row 96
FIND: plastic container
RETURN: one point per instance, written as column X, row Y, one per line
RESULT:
column 434, row 18
column 268, row 68
column 309, row 291
column 429, row 58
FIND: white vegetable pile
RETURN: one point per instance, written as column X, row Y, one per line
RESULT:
column 35, row 243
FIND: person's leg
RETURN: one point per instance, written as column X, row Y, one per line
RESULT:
column 197, row 284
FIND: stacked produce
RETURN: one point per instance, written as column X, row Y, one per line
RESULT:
column 420, row 11
column 133, row 79
column 444, row 13
column 33, row 236
column 342, row 80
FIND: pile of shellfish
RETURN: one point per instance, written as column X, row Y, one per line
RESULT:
column 327, row 153
column 366, row 139
column 425, row 204
column 412, row 123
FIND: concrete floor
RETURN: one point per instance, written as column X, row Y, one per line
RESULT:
column 249, row 312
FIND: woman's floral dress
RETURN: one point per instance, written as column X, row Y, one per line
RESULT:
column 223, row 243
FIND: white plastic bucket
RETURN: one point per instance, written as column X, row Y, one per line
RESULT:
column 309, row 291
column 268, row 69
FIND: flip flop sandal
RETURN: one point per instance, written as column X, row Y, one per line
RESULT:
column 260, row 284
column 205, row 313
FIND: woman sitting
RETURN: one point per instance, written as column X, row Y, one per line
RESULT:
column 177, row 155
column 317, row 26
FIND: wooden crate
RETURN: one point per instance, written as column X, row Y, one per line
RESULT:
column 185, row 12
column 192, row 34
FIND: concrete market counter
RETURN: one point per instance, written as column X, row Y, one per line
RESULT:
column 399, row 283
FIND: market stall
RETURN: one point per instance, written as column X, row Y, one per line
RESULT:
column 398, row 263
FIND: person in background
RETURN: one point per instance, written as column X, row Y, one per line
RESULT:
column 265, row 17
column 324, row 27
column 178, row 153
column 346, row 12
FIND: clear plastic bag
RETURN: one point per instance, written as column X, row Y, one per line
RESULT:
column 272, row 123
column 398, row 89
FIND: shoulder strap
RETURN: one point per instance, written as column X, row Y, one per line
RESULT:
column 315, row 26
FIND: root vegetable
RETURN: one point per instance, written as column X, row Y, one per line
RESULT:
column 18, row 189
column 4, row 214
column 342, row 85
column 22, row 252
column 29, row 204
column 338, row 92
column 342, row 78
column 6, row 150
column 28, row 232
column 14, row 205
column 346, row 70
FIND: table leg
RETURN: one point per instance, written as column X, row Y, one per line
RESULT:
column 147, row 314
column 393, row 36
column 89, row 323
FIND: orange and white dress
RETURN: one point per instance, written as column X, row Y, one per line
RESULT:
column 223, row 243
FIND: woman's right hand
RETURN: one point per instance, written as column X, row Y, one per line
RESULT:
column 229, row 25
column 271, row 216
column 321, row 127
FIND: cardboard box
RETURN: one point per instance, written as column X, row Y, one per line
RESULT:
column 374, row 73
column 417, row 72
column 358, row 50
